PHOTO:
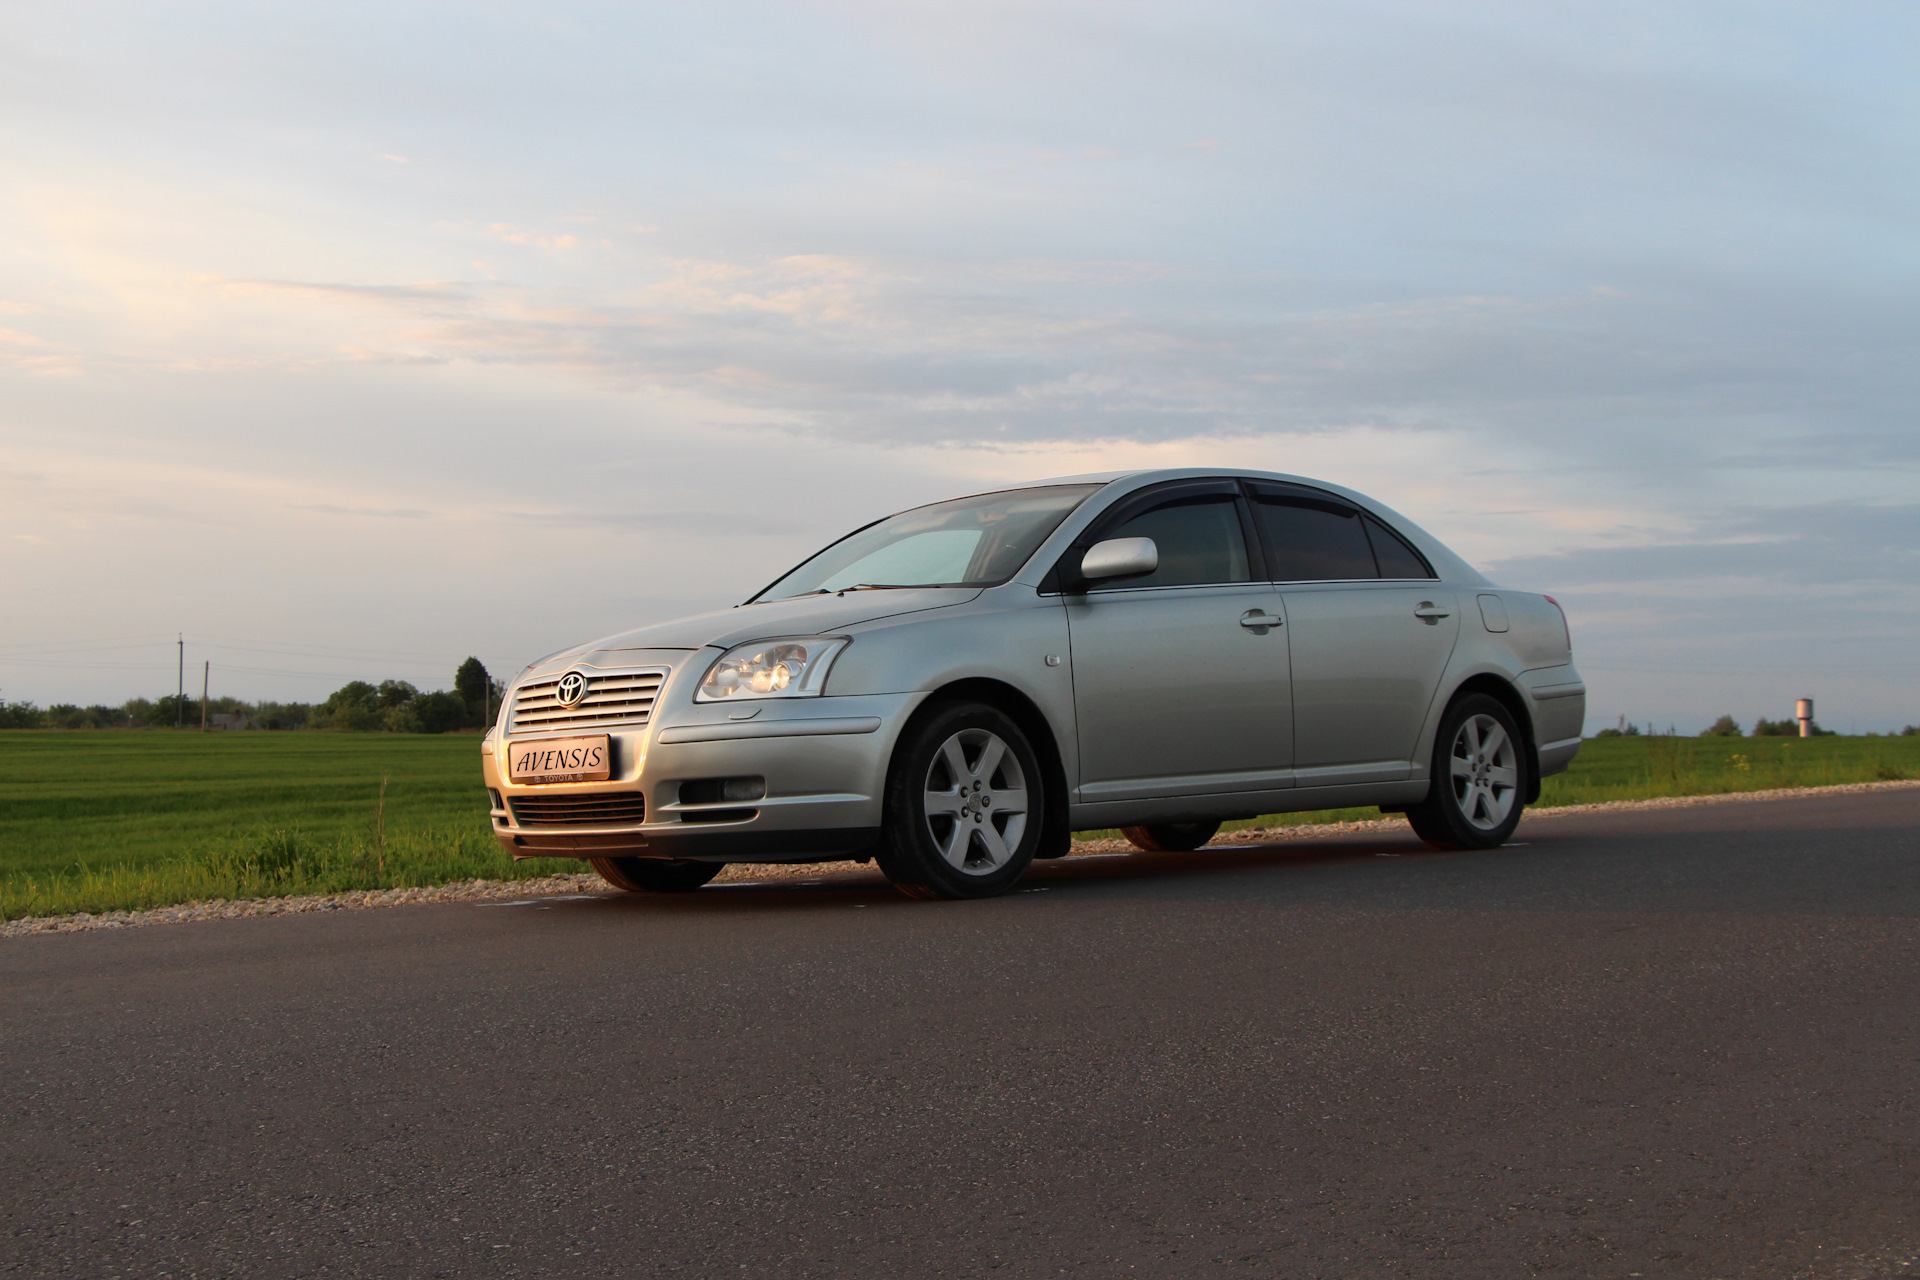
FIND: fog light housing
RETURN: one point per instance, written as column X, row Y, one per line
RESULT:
column 722, row 790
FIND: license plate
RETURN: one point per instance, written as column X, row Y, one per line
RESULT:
column 560, row 760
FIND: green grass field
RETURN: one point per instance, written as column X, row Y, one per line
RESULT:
column 1644, row 767
column 98, row 821
column 94, row 821
column 1641, row 768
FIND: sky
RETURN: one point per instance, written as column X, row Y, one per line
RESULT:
column 349, row 340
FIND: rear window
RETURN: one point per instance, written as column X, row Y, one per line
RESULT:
column 1397, row 557
column 1310, row 541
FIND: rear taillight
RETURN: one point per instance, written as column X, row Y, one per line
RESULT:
column 1565, row 630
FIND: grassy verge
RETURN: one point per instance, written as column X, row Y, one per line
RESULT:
column 101, row 821
column 1644, row 768
column 1647, row 767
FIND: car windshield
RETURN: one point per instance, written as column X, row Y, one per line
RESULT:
column 968, row 542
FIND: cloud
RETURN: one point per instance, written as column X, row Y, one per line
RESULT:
column 916, row 352
column 1619, row 303
column 715, row 523
column 377, row 513
column 514, row 235
column 1783, row 549
column 427, row 291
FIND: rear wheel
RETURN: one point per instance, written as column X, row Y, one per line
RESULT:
column 1474, row 799
column 1171, row 837
column 656, row 875
column 964, row 806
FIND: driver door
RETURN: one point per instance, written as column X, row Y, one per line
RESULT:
column 1177, row 690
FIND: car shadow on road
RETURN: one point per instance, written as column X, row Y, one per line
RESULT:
column 867, row 887
column 1834, row 871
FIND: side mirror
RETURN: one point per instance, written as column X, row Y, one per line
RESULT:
column 1119, row 558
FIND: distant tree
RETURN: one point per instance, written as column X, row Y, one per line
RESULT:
column 1910, row 731
column 1622, row 730
column 473, row 684
column 283, row 715
column 396, row 693
column 175, row 709
column 1724, row 727
column 354, row 692
column 354, row 705
column 1765, row 728
column 21, row 715
column 64, row 715
column 429, row 713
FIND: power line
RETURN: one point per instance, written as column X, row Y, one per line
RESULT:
column 238, row 644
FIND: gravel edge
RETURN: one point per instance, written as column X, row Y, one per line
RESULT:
column 504, row 891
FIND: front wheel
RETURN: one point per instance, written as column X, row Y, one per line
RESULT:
column 1479, row 776
column 656, row 875
column 964, row 805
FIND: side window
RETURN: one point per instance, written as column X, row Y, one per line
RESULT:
column 1198, row 538
column 1397, row 558
column 1314, row 541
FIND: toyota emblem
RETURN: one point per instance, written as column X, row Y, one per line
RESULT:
column 572, row 688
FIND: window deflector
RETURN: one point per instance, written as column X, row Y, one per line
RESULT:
column 1064, row 578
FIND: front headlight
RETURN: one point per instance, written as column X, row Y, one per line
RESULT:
column 785, row 668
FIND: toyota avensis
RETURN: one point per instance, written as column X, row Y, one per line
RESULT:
column 955, row 689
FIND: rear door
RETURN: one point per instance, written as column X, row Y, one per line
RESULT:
column 1178, row 689
column 1371, row 632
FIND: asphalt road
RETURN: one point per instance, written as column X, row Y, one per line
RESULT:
column 1672, row 1043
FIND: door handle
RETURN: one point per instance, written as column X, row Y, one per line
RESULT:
column 1255, row 620
column 1430, row 613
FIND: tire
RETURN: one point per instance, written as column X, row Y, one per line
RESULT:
column 965, row 805
column 1478, row 786
column 1172, row 837
column 655, row 875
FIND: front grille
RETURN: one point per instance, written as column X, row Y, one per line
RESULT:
column 612, row 698
column 604, row 809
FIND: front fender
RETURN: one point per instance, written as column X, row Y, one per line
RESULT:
column 1021, row 643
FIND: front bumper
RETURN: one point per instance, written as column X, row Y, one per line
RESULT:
column 823, row 762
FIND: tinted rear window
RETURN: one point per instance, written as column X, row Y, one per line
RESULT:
column 1314, row 541
column 1397, row 558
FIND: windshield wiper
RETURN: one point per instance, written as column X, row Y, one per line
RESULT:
column 872, row 586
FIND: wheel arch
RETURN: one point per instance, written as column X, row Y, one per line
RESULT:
column 1503, row 692
column 1055, row 835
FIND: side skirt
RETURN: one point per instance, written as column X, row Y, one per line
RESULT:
column 1246, row 804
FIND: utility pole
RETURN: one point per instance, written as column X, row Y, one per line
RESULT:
column 206, row 673
column 180, row 697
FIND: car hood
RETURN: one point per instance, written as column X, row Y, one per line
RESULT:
column 801, row 616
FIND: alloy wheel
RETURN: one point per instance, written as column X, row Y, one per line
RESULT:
column 1485, row 771
column 975, row 801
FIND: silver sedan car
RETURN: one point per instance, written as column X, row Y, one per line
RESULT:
column 955, row 689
